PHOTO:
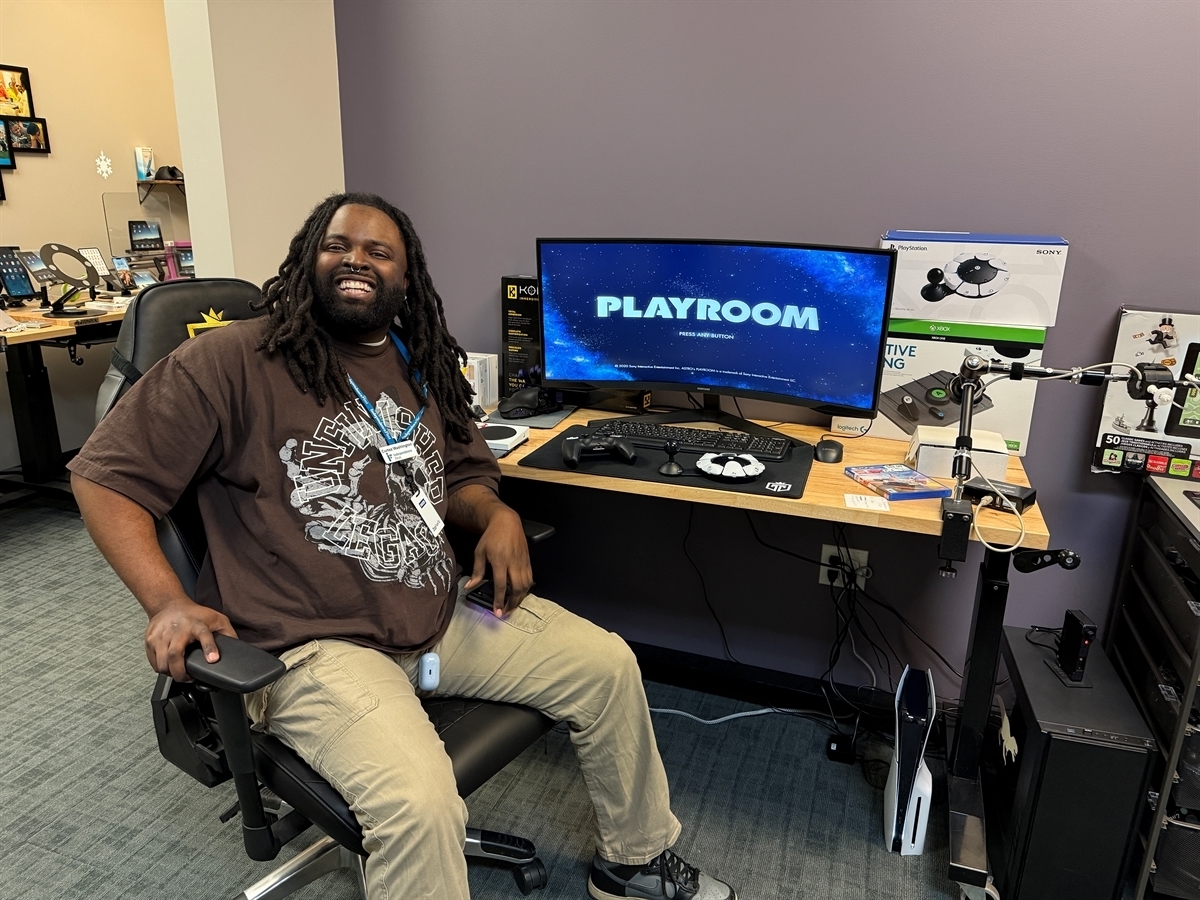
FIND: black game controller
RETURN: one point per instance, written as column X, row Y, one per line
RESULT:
column 616, row 444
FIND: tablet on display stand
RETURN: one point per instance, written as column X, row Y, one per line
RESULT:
column 16, row 281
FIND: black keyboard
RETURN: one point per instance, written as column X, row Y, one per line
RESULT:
column 695, row 440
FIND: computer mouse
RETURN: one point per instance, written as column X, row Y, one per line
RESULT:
column 827, row 450
column 521, row 405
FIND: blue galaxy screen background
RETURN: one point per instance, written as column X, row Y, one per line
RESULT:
column 837, row 364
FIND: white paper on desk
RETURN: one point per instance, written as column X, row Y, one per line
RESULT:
column 866, row 501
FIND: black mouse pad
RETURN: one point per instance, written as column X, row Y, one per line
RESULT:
column 783, row 479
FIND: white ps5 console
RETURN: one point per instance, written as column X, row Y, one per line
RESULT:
column 909, row 791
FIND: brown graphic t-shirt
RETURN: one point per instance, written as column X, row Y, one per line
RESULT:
column 310, row 534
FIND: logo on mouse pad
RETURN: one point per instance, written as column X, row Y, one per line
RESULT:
column 778, row 487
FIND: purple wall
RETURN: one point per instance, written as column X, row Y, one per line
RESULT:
column 495, row 123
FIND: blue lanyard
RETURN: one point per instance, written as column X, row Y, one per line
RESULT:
column 374, row 413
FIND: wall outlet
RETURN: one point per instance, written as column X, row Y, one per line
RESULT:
column 826, row 575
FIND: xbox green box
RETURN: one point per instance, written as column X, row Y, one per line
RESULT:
column 921, row 361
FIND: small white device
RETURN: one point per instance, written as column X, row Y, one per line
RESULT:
column 505, row 437
column 732, row 467
column 909, row 790
column 430, row 672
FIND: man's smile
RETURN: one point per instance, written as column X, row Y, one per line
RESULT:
column 354, row 286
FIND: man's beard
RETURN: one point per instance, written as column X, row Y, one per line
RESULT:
column 344, row 320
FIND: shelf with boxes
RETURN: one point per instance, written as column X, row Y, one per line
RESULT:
column 1154, row 640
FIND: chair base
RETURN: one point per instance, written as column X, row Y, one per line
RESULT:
column 327, row 855
column 323, row 857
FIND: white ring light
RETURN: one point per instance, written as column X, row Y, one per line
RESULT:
column 92, row 277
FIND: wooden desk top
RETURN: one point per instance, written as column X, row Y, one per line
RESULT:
column 823, row 495
column 57, row 328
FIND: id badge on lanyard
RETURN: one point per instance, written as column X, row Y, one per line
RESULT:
column 401, row 449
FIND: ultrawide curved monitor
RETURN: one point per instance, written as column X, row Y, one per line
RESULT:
column 792, row 323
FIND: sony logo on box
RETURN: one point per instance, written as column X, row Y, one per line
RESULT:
column 996, row 279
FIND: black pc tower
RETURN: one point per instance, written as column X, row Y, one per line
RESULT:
column 1061, row 814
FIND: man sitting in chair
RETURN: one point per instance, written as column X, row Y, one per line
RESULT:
column 329, row 441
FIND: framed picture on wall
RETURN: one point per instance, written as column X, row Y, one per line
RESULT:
column 27, row 135
column 16, row 97
column 7, row 159
column 2, row 197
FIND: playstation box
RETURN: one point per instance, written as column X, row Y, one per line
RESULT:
column 964, row 276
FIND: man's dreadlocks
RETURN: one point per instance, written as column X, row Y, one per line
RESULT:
column 307, row 348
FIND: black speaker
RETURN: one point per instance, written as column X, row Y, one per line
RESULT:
column 1078, row 634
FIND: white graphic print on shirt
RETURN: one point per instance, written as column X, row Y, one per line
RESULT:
column 389, row 539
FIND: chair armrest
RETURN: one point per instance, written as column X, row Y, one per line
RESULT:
column 242, row 668
column 536, row 532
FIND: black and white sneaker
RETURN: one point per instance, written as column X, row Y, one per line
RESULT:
column 666, row 877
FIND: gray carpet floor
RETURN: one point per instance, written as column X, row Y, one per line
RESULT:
column 88, row 808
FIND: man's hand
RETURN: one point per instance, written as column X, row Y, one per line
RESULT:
column 502, row 545
column 177, row 626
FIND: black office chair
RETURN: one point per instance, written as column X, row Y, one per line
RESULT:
column 202, row 726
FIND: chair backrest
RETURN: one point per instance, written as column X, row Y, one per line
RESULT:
column 158, row 320
column 161, row 318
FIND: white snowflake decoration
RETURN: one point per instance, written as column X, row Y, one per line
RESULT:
column 103, row 165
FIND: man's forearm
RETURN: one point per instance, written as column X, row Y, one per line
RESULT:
column 124, row 533
column 472, row 508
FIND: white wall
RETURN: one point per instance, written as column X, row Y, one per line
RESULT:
column 258, row 136
column 256, row 85
column 101, row 77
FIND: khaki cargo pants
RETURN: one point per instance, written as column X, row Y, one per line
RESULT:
column 354, row 715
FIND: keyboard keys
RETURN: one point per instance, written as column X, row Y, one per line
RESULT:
column 697, row 440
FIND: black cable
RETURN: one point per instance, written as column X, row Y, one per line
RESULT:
column 782, row 550
column 899, row 615
column 1035, row 629
column 850, row 617
column 850, row 578
column 704, row 585
column 848, row 437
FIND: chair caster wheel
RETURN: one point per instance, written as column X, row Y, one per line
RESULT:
column 530, row 876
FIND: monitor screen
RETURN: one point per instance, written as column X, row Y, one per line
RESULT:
column 16, row 280
column 41, row 273
column 792, row 323
column 145, row 236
